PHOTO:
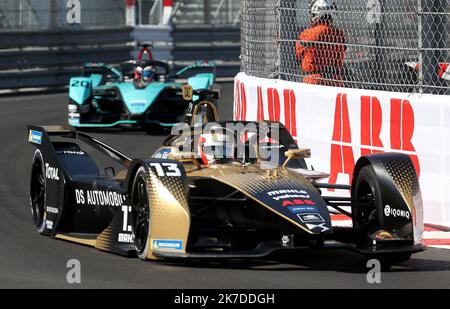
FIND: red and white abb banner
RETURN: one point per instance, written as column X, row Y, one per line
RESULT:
column 130, row 12
column 341, row 124
column 167, row 11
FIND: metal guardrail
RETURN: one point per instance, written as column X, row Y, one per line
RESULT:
column 159, row 36
column 50, row 38
column 206, row 33
column 185, row 43
column 49, row 58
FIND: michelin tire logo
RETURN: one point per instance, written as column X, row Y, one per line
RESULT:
column 35, row 137
column 176, row 245
column 389, row 211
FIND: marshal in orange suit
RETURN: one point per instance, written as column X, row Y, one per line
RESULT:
column 321, row 47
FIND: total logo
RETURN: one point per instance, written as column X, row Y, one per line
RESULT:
column 389, row 211
column 51, row 172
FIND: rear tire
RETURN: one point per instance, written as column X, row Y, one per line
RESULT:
column 366, row 197
column 140, row 214
column 38, row 192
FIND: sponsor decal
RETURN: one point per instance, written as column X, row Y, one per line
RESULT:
column 99, row 198
column 51, row 172
column 74, row 121
column 288, row 194
column 138, row 103
column 162, row 154
column 310, row 217
column 127, row 238
column 389, row 211
column 272, row 147
column 303, row 209
column 77, row 153
column 321, row 226
column 166, row 169
column 74, row 115
column 52, row 210
column 35, row 137
column 297, row 202
column 167, row 244
column 72, row 108
column 49, row 224
column 287, row 241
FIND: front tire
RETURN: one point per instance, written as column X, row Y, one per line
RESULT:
column 366, row 196
column 38, row 192
column 140, row 213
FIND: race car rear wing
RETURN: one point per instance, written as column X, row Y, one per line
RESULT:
column 40, row 137
column 195, row 69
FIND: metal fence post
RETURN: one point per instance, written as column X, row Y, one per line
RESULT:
column 380, row 54
column 278, row 41
column 206, row 12
column 54, row 14
column 420, row 45
column 432, row 39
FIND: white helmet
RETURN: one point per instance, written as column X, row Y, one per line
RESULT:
column 321, row 8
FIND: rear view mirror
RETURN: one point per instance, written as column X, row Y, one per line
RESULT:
column 296, row 154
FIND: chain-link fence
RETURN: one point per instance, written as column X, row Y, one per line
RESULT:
column 395, row 45
column 52, row 14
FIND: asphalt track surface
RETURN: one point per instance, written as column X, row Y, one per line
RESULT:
column 28, row 260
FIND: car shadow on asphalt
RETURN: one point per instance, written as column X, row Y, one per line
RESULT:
column 154, row 131
column 338, row 260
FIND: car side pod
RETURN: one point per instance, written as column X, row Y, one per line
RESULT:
column 387, row 203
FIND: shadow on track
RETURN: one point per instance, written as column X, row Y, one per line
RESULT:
column 151, row 131
column 337, row 260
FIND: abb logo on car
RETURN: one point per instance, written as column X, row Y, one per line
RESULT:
column 341, row 124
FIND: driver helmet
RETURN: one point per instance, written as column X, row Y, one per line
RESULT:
column 148, row 74
column 138, row 73
column 322, row 8
column 213, row 147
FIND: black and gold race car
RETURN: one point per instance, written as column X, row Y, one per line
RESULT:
column 218, row 190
